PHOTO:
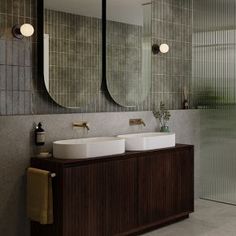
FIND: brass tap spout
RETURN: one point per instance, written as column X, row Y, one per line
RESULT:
column 81, row 125
column 143, row 123
column 133, row 122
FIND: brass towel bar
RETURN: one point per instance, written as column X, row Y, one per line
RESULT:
column 50, row 174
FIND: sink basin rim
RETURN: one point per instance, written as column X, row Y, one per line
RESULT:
column 144, row 135
column 148, row 141
column 82, row 141
column 88, row 147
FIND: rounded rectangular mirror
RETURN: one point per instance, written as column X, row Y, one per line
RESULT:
column 73, row 51
column 128, row 47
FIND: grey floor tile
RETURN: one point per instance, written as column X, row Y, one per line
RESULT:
column 209, row 218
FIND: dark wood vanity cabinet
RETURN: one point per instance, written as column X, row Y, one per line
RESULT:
column 100, row 198
column 119, row 195
column 165, row 186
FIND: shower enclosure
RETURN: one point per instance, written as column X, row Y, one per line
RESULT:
column 214, row 86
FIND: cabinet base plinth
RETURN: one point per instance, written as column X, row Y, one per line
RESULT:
column 157, row 225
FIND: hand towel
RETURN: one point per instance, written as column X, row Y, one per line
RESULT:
column 39, row 196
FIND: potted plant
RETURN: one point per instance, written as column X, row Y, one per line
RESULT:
column 163, row 115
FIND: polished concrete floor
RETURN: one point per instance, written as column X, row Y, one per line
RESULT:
column 209, row 219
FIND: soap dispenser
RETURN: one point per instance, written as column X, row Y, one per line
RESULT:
column 39, row 135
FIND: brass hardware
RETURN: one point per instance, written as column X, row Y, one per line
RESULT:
column 81, row 125
column 136, row 122
column 52, row 175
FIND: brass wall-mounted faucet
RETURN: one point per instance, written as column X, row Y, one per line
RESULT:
column 133, row 122
column 81, row 125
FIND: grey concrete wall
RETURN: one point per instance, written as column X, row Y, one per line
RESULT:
column 186, row 125
column 17, row 147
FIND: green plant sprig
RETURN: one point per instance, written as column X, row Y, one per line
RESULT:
column 163, row 115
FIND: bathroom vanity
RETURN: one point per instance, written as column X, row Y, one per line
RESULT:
column 125, row 194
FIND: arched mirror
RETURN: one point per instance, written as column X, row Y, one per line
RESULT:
column 73, row 51
column 128, row 50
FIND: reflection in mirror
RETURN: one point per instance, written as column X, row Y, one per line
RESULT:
column 72, row 51
column 128, row 49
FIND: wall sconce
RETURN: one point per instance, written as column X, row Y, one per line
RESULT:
column 163, row 48
column 25, row 30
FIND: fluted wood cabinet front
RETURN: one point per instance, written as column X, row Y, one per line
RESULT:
column 165, row 185
column 121, row 195
column 100, row 199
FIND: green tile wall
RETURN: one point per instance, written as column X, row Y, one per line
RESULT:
column 75, row 66
column 23, row 92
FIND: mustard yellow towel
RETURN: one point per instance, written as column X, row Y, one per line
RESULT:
column 39, row 196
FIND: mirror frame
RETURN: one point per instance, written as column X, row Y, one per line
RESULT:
column 40, row 19
column 40, row 48
column 105, row 86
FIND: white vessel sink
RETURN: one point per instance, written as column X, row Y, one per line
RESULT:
column 148, row 141
column 88, row 147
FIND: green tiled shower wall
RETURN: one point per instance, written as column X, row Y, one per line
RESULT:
column 75, row 66
column 75, row 69
column 23, row 92
column 124, row 45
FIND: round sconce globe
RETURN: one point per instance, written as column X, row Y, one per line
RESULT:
column 27, row 30
column 164, row 48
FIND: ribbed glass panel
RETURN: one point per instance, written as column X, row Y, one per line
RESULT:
column 218, row 156
column 213, row 81
column 214, row 53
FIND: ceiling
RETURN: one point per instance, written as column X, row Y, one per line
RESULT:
column 79, row 7
column 126, row 11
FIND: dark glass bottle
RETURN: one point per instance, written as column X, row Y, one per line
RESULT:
column 39, row 135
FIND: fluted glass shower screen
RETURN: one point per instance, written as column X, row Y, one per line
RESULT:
column 214, row 89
